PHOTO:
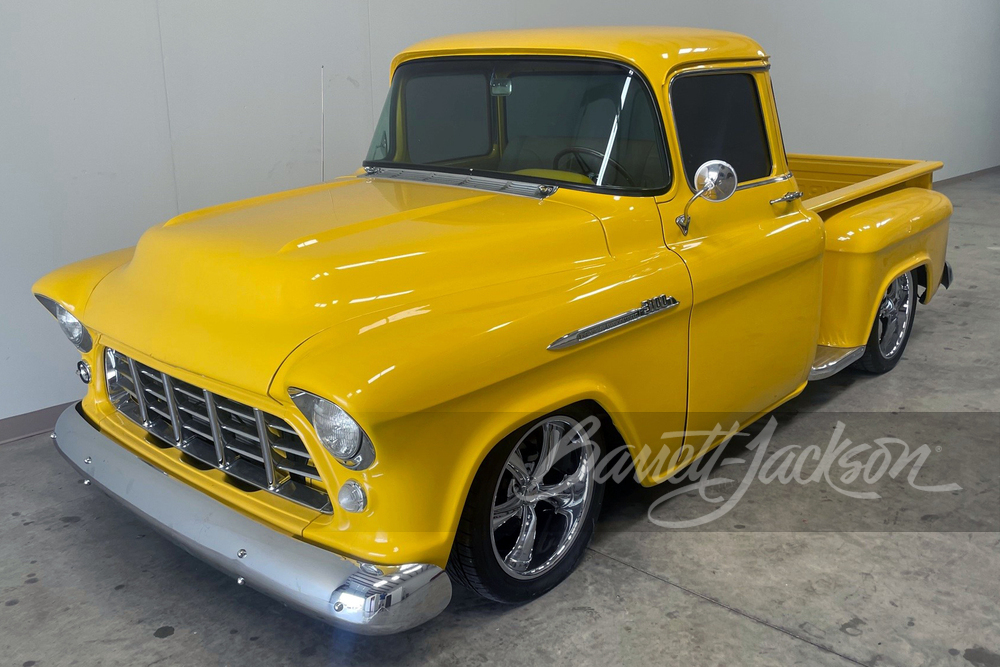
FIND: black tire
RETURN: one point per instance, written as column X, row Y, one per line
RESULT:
column 475, row 561
column 875, row 359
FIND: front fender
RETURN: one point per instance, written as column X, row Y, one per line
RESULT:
column 437, row 385
column 72, row 285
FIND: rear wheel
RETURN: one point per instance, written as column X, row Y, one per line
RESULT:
column 892, row 327
column 531, row 511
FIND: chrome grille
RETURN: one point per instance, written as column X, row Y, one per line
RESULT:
column 247, row 444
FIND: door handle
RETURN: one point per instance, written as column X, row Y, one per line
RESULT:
column 790, row 196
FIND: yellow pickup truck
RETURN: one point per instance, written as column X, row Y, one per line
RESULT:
column 351, row 395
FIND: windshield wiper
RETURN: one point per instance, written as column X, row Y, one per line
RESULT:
column 490, row 181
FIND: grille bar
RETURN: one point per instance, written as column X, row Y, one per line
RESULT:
column 175, row 415
column 299, row 470
column 213, row 420
column 262, row 436
column 290, row 449
column 134, row 376
column 246, row 443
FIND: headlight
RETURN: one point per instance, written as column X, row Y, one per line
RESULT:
column 72, row 327
column 340, row 434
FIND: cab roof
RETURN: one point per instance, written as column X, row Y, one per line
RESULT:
column 654, row 50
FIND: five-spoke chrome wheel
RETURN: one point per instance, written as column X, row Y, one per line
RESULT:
column 893, row 320
column 542, row 497
column 892, row 326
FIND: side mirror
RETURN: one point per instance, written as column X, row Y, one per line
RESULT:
column 715, row 181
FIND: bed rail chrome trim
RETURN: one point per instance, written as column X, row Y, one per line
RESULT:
column 357, row 596
column 648, row 308
column 500, row 185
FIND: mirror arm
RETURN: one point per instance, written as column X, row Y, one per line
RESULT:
column 684, row 220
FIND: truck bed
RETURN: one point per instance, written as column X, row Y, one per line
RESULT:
column 828, row 182
column 881, row 218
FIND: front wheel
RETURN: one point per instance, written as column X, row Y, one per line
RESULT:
column 892, row 327
column 531, row 510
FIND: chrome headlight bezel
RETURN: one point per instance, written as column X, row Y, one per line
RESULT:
column 358, row 457
column 75, row 330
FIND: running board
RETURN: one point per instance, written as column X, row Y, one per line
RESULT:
column 832, row 360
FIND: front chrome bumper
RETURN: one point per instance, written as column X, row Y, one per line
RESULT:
column 342, row 592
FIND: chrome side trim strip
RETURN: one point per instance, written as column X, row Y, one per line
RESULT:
column 512, row 187
column 831, row 360
column 648, row 308
column 766, row 181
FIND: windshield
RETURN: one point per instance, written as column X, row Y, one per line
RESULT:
column 583, row 123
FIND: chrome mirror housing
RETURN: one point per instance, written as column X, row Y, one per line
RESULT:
column 715, row 181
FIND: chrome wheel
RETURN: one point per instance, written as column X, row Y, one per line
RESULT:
column 894, row 315
column 542, row 497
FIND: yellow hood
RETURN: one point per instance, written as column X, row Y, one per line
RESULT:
column 229, row 292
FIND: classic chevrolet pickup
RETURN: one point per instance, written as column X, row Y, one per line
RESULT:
column 352, row 395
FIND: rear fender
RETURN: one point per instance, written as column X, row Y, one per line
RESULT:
column 871, row 244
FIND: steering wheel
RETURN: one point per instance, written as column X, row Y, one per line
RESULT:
column 577, row 151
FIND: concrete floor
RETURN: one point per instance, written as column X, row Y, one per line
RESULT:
column 794, row 575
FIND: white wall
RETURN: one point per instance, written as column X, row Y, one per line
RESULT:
column 117, row 114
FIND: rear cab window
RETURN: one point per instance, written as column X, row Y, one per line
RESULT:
column 720, row 117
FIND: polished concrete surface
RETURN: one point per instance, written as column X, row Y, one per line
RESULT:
column 792, row 575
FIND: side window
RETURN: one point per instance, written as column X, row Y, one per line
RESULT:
column 719, row 117
column 435, row 137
